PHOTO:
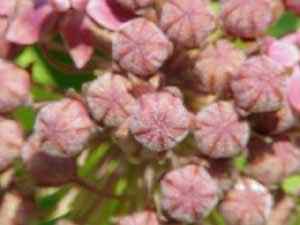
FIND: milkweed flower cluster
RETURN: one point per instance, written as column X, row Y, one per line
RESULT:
column 225, row 101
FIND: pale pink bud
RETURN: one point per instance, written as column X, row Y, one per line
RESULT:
column 44, row 165
column 216, row 66
column 293, row 90
column 11, row 141
column 293, row 5
column 188, row 194
column 272, row 163
column 219, row 132
column 109, row 100
column 135, row 4
column 248, row 203
column 159, row 121
column 140, row 47
column 248, row 19
column 260, row 85
column 14, row 86
column 283, row 52
column 65, row 125
column 187, row 22
column 140, row 218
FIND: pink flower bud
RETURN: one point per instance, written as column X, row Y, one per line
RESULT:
column 248, row 19
column 248, row 203
column 14, row 86
column 188, row 194
column 293, row 90
column 140, row 218
column 140, row 47
column 187, row 22
column 65, row 222
column 217, row 65
column 44, row 165
column 66, row 126
column 272, row 163
column 219, row 133
column 109, row 100
column 159, row 121
column 293, row 5
column 260, row 85
column 31, row 19
column 11, row 141
column 283, row 52
column 135, row 4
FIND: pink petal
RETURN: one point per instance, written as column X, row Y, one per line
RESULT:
column 78, row 37
column 79, row 5
column 29, row 21
column 108, row 14
column 61, row 5
column 7, row 7
column 294, row 90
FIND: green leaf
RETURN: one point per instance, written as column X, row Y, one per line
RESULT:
column 291, row 185
column 93, row 159
column 287, row 23
column 26, row 117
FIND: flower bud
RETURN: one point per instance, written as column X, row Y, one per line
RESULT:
column 260, row 85
column 44, row 165
column 216, row 66
column 293, row 90
column 219, row 133
column 140, row 47
column 248, row 203
column 11, row 141
column 272, row 163
column 283, row 52
column 135, row 4
column 14, row 86
column 65, row 222
column 159, row 121
column 109, row 100
column 188, row 194
column 65, row 125
column 140, row 218
column 187, row 22
column 248, row 19
column 293, row 5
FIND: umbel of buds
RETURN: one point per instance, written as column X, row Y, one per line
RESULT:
column 248, row 203
column 11, row 141
column 187, row 22
column 188, row 194
column 65, row 125
column 14, row 86
column 139, row 218
column 140, row 47
column 219, row 132
column 216, row 66
column 109, row 100
column 159, row 121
